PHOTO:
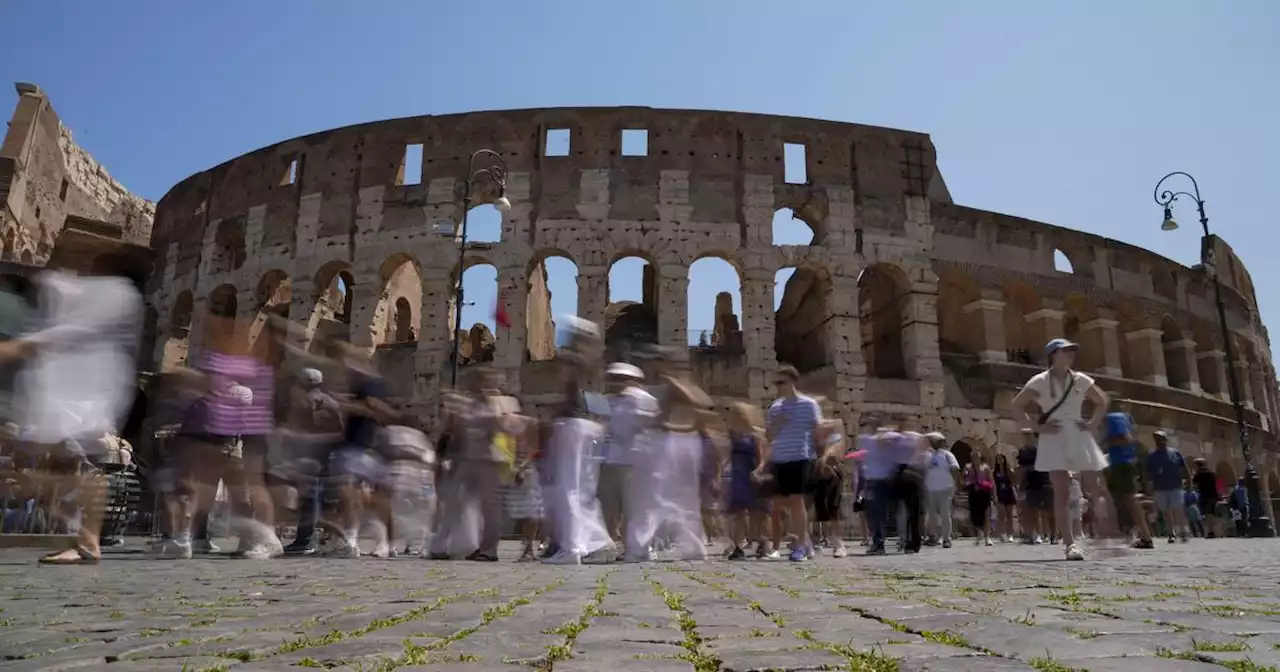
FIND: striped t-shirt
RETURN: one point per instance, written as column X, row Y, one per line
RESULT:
column 226, row 415
column 796, row 419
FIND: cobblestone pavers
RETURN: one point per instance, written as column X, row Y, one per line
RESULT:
column 1206, row 605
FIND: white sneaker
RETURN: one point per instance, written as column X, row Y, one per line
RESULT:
column 1074, row 552
column 989, row 542
column 564, row 558
column 1038, row 540
column 172, row 550
column 773, row 555
column 839, row 552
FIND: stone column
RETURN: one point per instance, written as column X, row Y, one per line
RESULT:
column 199, row 322
column 1146, row 355
column 1242, row 383
column 431, row 358
column 1100, row 349
column 1213, row 373
column 844, row 346
column 593, row 299
column 1259, row 390
column 365, row 298
column 1180, row 361
column 988, row 323
column 758, row 331
column 920, row 353
column 1042, row 326
column 673, row 308
column 513, row 290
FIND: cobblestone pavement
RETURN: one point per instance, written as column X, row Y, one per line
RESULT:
column 1206, row 605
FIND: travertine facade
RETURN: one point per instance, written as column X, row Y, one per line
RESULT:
column 46, row 177
column 903, row 301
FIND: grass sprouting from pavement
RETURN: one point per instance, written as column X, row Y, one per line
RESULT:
column 1050, row 665
column 1219, row 647
column 571, row 629
column 694, row 654
column 857, row 661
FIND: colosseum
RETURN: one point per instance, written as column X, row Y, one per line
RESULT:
column 902, row 301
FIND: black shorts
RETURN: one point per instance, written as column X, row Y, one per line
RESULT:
column 826, row 499
column 791, row 478
column 1040, row 499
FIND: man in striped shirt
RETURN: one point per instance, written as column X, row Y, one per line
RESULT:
column 791, row 423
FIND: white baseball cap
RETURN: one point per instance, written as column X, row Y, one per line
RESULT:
column 624, row 370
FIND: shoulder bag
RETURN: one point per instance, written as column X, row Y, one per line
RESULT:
column 1044, row 417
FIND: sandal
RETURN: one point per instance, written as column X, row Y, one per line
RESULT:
column 81, row 557
column 482, row 557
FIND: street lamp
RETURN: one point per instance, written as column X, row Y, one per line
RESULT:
column 496, row 172
column 1259, row 523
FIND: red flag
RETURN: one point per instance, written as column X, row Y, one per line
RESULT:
column 500, row 312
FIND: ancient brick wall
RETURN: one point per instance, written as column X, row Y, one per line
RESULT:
column 902, row 302
column 45, row 177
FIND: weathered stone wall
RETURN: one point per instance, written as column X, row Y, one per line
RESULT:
column 902, row 303
column 45, row 177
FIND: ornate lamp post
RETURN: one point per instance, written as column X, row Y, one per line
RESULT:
column 1259, row 523
column 495, row 172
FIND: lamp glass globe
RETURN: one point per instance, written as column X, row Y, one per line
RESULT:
column 502, row 204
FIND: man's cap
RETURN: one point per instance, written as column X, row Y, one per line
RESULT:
column 935, row 437
column 1028, row 430
column 1160, row 433
column 311, row 376
column 624, row 370
column 1058, row 344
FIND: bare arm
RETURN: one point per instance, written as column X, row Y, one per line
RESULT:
column 1019, row 407
column 1100, row 403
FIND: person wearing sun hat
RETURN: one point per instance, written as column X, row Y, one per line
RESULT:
column 633, row 414
column 1066, row 442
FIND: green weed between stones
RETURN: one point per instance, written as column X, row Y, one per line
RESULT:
column 692, row 642
column 571, row 629
column 857, row 661
column 1050, row 665
column 1219, row 647
column 1083, row 634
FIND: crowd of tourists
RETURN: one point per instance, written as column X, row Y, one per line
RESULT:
column 311, row 438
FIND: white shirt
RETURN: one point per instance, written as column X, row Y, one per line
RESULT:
column 82, row 379
column 938, row 474
column 633, row 413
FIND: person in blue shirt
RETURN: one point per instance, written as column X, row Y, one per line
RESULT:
column 1122, row 475
column 1195, row 519
column 1166, row 467
column 1239, row 503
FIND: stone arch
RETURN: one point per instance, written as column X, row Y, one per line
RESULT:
column 1226, row 476
column 402, row 322
column 552, row 291
column 632, row 312
column 28, row 258
column 334, row 302
column 790, row 228
column 1177, row 368
column 223, row 301
column 714, row 303
column 882, row 289
column 1020, row 300
column 480, row 293
column 274, row 296
column 10, row 243
column 803, row 309
column 1062, row 263
column 964, row 452
column 960, row 329
column 397, row 316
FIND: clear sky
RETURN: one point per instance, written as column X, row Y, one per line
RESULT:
column 1065, row 112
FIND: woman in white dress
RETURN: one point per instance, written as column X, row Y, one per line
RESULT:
column 666, row 479
column 572, row 457
column 1066, row 442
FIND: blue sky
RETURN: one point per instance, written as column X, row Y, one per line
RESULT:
column 1062, row 112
